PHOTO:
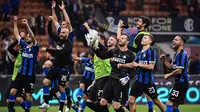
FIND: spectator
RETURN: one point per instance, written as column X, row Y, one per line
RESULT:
column 121, row 5
column 168, row 59
column 31, row 22
column 9, row 59
column 192, row 67
column 6, row 11
column 163, row 5
column 115, row 10
column 192, row 8
column 40, row 20
column 140, row 4
column 15, row 6
column 87, row 10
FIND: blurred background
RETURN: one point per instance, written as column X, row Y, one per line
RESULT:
column 168, row 19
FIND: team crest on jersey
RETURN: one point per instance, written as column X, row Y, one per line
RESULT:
column 29, row 49
column 144, row 55
column 124, row 57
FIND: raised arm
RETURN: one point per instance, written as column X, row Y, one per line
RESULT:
column 86, row 26
column 30, row 32
column 53, row 6
column 16, row 31
column 119, row 29
column 62, row 7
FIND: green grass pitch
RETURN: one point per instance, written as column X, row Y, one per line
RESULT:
column 140, row 108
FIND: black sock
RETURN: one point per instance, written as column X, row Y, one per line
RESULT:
column 69, row 102
column 92, row 106
column 61, row 106
column 120, row 110
column 46, row 99
column 150, row 110
column 11, row 105
column 103, row 108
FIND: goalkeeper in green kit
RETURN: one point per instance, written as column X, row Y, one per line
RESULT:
column 102, row 68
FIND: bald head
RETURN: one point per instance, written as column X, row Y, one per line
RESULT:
column 64, row 33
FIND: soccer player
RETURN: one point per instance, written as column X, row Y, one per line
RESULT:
column 118, row 78
column 144, row 62
column 61, row 65
column 142, row 25
column 64, row 24
column 18, row 55
column 102, row 70
column 180, row 66
column 87, row 78
column 26, row 74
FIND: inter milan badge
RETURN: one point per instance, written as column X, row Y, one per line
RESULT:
column 124, row 57
column 144, row 55
column 29, row 49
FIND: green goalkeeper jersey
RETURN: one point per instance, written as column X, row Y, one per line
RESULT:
column 17, row 65
column 102, row 67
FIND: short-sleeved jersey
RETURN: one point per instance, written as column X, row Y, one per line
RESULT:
column 102, row 67
column 145, row 57
column 71, row 34
column 89, row 68
column 181, row 61
column 29, row 58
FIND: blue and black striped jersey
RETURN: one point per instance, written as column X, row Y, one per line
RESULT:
column 89, row 68
column 145, row 57
column 29, row 58
column 181, row 61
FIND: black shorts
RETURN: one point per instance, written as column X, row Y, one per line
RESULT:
column 24, row 81
column 96, row 90
column 87, row 83
column 20, row 92
column 61, row 74
column 178, row 92
column 114, row 90
column 54, row 92
column 138, row 89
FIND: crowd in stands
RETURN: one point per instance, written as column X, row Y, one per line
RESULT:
column 81, row 11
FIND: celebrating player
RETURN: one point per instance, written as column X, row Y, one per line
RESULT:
column 180, row 66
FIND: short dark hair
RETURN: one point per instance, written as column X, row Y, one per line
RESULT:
column 128, row 37
column 182, row 38
column 103, row 38
column 145, row 20
column 152, row 38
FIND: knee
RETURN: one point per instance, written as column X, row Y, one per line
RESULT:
column 62, row 88
column 19, row 100
column 82, row 86
column 103, row 101
column 131, row 100
column 47, row 64
column 116, row 105
column 28, row 97
column 13, row 91
column 46, row 82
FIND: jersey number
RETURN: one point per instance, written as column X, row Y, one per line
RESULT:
column 100, row 92
column 151, row 90
column 175, row 93
column 32, row 85
column 64, row 78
